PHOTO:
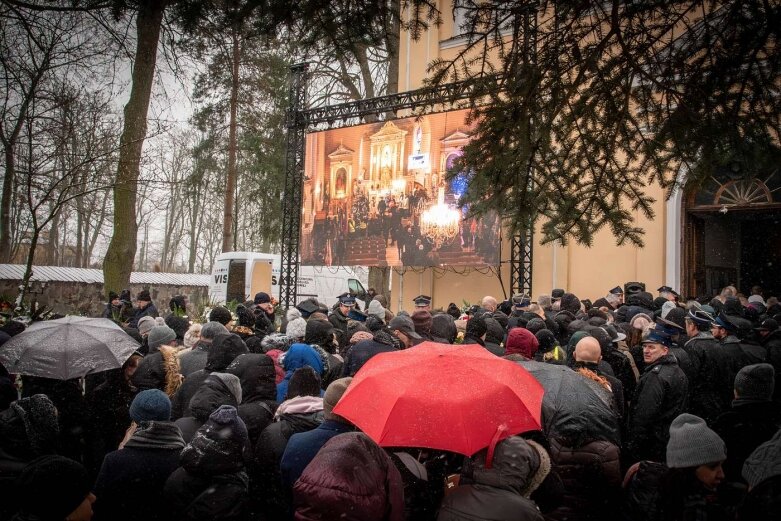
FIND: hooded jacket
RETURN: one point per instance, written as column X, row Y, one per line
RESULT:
column 211, row 483
column 351, row 478
column 159, row 370
column 521, row 341
column 259, row 391
column 443, row 329
column 298, row 356
column 502, row 491
column 213, row 393
column 299, row 414
column 28, row 429
column 224, row 349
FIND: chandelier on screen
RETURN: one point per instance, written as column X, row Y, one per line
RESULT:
column 440, row 222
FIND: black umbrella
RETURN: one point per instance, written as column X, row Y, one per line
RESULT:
column 66, row 348
column 574, row 408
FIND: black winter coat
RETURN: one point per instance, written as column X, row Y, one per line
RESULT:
column 710, row 363
column 108, row 409
column 208, row 398
column 159, row 370
column 258, row 391
column 660, row 397
column 361, row 352
column 211, row 484
column 622, row 369
column 591, row 475
column 738, row 356
column 743, row 428
column 265, row 473
column 224, row 349
column 772, row 344
column 131, row 480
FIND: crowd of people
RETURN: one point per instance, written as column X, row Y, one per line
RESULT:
column 233, row 419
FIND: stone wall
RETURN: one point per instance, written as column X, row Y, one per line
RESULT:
column 88, row 299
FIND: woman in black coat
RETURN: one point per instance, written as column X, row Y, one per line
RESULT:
column 218, row 389
column 211, row 483
column 258, row 390
column 108, row 406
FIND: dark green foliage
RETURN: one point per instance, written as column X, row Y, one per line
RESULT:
column 605, row 98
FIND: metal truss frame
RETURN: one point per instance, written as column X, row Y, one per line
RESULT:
column 301, row 120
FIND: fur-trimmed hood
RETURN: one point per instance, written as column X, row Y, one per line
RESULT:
column 519, row 465
column 173, row 371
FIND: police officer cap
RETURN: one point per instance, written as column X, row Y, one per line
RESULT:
column 617, row 291
column 520, row 300
column 658, row 336
column 422, row 300
column 667, row 289
column 723, row 321
column 700, row 317
column 346, row 299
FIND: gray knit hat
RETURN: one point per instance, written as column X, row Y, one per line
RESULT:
column 692, row 443
column 145, row 325
column 160, row 335
column 375, row 309
column 764, row 463
column 756, row 381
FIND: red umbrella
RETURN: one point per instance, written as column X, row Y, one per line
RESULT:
column 439, row 396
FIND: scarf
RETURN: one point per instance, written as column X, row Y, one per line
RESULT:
column 156, row 435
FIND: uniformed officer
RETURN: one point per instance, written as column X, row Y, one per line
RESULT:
column 422, row 302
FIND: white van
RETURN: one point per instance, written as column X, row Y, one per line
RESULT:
column 239, row 275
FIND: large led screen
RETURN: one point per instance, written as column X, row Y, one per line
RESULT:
column 376, row 195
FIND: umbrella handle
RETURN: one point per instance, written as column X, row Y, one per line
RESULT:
column 501, row 430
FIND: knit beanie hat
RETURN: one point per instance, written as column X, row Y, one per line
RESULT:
column 692, row 443
column 296, row 329
column 232, row 382
column 570, row 302
column 150, row 405
column 476, row 327
column 521, row 341
column 39, row 417
column 279, row 341
column 180, row 325
column 376, row 310
column 764, row 463
column 220, row 445
column 756, row 382
column 304, row 382
column 547, row 341
column 229, row 424
column 145, row 325
column 52, row 487
column 332, row 396
column 535, row 324
column 160, row 335
column 422, row 321
column 144, row 296
column 319, row 332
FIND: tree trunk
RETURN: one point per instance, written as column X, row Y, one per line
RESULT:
column 230, row 185
column 121, row 253
column 28, row 271
column 5, row 204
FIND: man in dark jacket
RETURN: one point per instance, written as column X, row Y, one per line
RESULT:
column 301, row 412
column 224, row 349
column 338, row 317
column 660, row 397
column 144, row 308
column 130, row 483
column 258, row 390
column 737, row 354
column 212, row 484
column 769, row 335
column 476, row 330
column 588, row 352
column 499, row 489
column 709, row 367
column 753, row 418
column 217, row 390
column 160, row 368
column 195, row 359
column 304, row 446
